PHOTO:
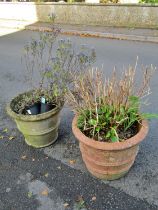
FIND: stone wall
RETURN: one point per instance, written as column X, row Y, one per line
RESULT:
column 126, row 15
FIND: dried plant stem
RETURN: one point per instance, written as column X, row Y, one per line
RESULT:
column 92, row 93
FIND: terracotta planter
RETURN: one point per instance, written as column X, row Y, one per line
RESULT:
column 39, row 130
column 109, row 161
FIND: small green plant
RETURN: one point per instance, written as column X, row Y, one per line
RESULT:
column 51, row 17
column 109, row 1
column 149, row 1
column 50, row 69
column 109, row 110
column 80, row 203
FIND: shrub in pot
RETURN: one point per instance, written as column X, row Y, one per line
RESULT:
column 108, row 122
column 49, row 73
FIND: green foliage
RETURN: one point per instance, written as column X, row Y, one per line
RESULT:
column 109, row 109
column 109, row 1
column 149, row 116
column 149, row 1
column 108, row 121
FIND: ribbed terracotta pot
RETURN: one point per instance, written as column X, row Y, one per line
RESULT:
column 109, row 161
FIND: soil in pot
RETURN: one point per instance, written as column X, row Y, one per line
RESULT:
column 123, row 135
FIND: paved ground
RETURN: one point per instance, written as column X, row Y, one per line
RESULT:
column 134, row 34
column 46, row 179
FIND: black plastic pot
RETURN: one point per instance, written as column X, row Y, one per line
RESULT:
column 46, row 107
column 34, row 109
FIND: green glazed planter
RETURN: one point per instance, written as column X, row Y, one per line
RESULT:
column 39, row 130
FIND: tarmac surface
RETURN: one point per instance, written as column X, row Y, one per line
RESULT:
column 55, row 178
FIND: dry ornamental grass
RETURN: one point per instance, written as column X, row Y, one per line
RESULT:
column 109, row 109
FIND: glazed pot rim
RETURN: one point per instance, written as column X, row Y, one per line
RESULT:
column 31, row 118
column 110, row 146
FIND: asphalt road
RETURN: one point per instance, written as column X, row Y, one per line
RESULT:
column 25, row 172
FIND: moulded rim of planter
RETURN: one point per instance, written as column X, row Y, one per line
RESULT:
column 31, row 118
column 111, row 146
